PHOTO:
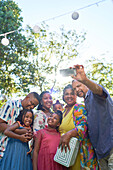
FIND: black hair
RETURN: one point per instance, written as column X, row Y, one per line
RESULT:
column 57, row 102
column 40, row 106
column 59, row 113
column 23, row 112
column 69, row 86
column 35, row 95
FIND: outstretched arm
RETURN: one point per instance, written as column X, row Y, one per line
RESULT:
column 81, row 77
column 10, row 133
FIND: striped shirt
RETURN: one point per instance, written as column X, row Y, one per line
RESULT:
column 9, row 111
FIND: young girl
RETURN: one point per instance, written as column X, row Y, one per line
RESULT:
column 57, row 106
column 16, row 156
column 46, row 143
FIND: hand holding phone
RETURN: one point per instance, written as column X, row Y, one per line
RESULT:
column 68, row 72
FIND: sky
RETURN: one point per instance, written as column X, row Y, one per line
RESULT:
column 96, row 19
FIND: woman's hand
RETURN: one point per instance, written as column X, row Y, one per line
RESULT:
column 64, row 141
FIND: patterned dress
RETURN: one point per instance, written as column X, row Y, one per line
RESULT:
column 15, row 156
column 88, row 158
column 40, row 121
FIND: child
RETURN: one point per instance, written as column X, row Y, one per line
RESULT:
column 57, row 106
column 16, row 156
column 46, row 143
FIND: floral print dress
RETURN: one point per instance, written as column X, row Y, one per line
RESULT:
column 40, row 121
column 88, row 157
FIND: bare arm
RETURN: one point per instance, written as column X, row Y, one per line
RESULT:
column 81, row 77
column 35, row 153
column 64, row 140
column 4, row 126
column 10, row 133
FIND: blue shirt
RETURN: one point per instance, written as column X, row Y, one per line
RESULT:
column 100, row 122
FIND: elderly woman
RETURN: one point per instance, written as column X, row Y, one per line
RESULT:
column 74, row 124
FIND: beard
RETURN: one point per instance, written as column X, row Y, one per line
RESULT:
column 80, row 94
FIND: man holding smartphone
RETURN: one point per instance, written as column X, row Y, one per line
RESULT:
column 99, row 106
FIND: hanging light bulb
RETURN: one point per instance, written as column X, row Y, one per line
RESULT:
column 75, row 15
column 36, row 29
column 5, row 41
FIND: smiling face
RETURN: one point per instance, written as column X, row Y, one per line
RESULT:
column 69, row 97
column 46, row 101
column 30, row 102
column 27, row 119
column 79, row 89
column 53, row 121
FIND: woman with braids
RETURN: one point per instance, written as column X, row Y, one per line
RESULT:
column 43, row 111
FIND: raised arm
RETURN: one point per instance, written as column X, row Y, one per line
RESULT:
column 81, row 77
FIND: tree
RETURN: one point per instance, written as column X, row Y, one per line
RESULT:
column 32, row 59
column 55, row 50
column 101, row 71
column 15, row 68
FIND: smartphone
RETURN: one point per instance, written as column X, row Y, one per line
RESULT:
column 68, row 72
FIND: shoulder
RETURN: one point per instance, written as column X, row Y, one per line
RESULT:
column 38, row 112
column 103, row 97
column 40, row 115
column 79, row 110
column 6, row 108
column 12, row 103
column 79, row 107
column 39, row 132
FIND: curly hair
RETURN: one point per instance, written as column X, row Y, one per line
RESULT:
column 23, row 112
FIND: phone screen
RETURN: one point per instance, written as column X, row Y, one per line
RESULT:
column 68, row 72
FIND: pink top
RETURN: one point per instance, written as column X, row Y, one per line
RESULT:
column 48, row 140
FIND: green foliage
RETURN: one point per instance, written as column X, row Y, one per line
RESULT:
column 15, row 68
column 102, row 73
column 32, row 59
column 55, row 50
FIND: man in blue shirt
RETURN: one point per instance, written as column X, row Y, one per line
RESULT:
column 99, row 106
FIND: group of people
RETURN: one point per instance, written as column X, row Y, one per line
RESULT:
column 91, row 123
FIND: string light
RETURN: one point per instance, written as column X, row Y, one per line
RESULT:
column 75, row 15
column 96, row 3
column 4, row 40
